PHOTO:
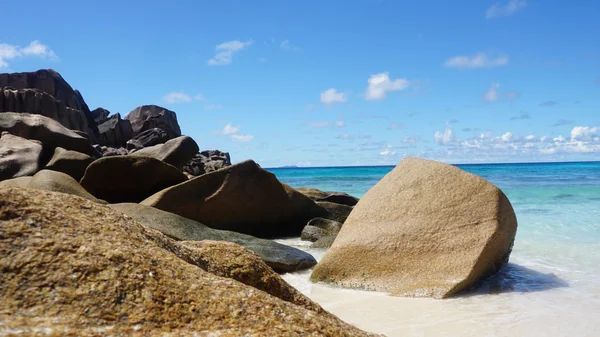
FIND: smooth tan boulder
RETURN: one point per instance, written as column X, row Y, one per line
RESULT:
column 426, row 229
column 71, row 267
column 72, row 163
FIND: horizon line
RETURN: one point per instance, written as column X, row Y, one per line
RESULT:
column 455, row 164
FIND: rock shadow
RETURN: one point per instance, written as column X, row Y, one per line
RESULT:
column 515, row 278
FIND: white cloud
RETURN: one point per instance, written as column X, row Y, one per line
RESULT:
column 381, row 84
column 242, row 138
column 445, row 137
column 331, row 95
column 35, row 48
column 585, row 133
column 479, row 60
column 395, row 126
column 387, row 153
column 507, row 137
column 230, row 129
column 492, row 94
column 177, row 97
column 346, row 136
column 510, row 8
column 339, row 123
column 226, row 50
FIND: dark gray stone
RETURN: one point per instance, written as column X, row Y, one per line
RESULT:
column 280, row 257
column 319, row 227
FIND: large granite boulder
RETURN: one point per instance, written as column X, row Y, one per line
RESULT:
column 40, row 103
column 335, row 197
column 18, row 156
column 147, row 117
column 280, row 257
column 114, row 131
column 176, row 151
column 73, row 267
column 320, row 227
column 425, row 229
column 72, row 163
column 207, row 161
column 242, row 198
column 48, row 131
column 76, row 114
column 48, row 180
column 129, row 179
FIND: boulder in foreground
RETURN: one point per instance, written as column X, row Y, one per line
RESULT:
column 426, row 229
column 242, row 198
column 73, row 267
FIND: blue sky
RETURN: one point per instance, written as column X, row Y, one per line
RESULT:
column 317, row 83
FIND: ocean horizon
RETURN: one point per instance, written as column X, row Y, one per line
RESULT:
column 550, row 287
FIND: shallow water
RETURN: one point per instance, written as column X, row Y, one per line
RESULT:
column 551, row 287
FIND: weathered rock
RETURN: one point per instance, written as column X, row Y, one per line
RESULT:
column 230, row 260
column 100, row 115
column 206, row 162
column 151, row 137
column 176, row 151
column 69, row 162
column 336, row 212
column 319, row 227
column 147, row 117
column 48, row 131
column 111, row 151
column 243, row 198
column 75, row 114
column 74, row 268
column 129, row 179
column 18, row 156
column 280, row 257
column 425, row 229
column 133, row 145
column 47, row 180
column 323, row 242
column 115, row 132
column 335, row 197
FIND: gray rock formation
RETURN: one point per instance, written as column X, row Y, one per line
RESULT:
column 18, row 156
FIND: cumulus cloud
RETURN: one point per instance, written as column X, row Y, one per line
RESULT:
column 10, row 52
column 226, row 50
column 479, row 60
column 331, row 96
column 230, row 129
column 585, row 133
column 491, row 95
column 445, row 137
column 381, row 84
column 339, row 123
column 510, row 8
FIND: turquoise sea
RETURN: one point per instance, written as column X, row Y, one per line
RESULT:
column 551, row 286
